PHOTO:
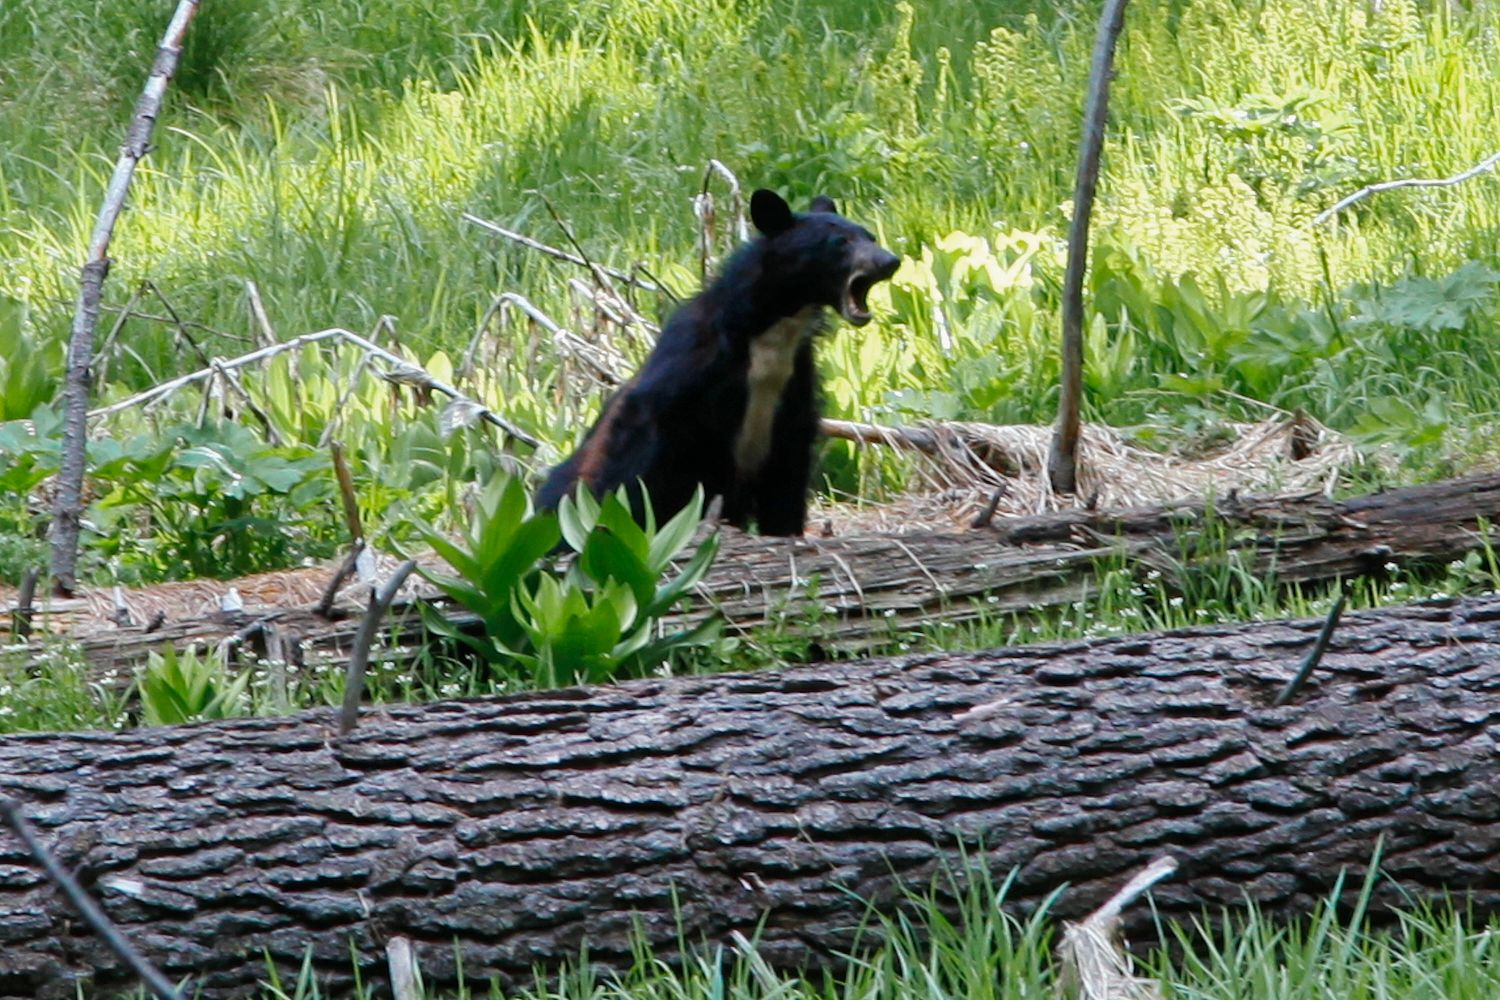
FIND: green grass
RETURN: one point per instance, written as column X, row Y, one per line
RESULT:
column 295, row 157
column 325, row 153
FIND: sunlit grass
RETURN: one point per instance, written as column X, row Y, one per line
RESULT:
column 340, row 198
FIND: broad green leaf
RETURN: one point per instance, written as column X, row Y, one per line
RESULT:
column 673, row 535
column 605, row 557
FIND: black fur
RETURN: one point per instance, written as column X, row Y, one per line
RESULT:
column 678, row 422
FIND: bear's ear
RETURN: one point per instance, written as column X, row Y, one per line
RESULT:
column 770, row 212
column 822, row 203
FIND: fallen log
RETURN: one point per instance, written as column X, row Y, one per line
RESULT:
column 514, row 829
column 851, row 594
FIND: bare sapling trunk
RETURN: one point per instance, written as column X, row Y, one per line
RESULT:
column 1062, row 462
column 67, row 511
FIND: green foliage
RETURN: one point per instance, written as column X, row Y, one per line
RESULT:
column 48, row 686
column 596, row 621
column 27, row 367
column 1299, row 142
column 28, row 455
column 1453, row 302
column 211, row 500
column 189, row 686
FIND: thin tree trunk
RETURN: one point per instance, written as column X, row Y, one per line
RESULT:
column 1062, row 462
column 68, row 508
column 516, row 829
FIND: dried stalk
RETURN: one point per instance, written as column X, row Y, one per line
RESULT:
column 550, row 251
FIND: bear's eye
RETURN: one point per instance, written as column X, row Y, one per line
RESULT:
column 839, row 241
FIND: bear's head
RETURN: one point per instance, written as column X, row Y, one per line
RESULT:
column 819, row 257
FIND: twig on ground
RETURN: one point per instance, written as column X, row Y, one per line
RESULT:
column 988, row 514
column 406, row 979
column 1319, row 648
column 918, row 438
column 67, row 516
column 354, row 680
column 324, row 607
column 1062, row 461
column 404, row 371
column 20, row 618
column 149, row 974
column 1488, row 163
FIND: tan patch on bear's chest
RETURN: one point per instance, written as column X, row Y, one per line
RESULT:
column 772, row 357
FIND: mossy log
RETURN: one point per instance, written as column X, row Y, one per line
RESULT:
column 516, row 829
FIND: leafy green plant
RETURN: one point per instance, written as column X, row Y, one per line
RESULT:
column 48, row 685
column 28, row 455
column 27, row 365
column 596, row 620
column 189, row 686
column 211, row 500
column 1301, row 140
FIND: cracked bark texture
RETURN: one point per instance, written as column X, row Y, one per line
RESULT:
column 520, row 827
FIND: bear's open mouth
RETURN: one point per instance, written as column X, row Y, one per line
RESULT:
column 854, row 305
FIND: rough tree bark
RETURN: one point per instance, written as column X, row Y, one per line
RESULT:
column 517, row 828
column 846, row 593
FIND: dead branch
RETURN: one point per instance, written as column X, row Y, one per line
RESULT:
column 403, row 371
column 1488, row 163
column 527, row 241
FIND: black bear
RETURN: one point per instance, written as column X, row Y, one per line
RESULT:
column 728, row 396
